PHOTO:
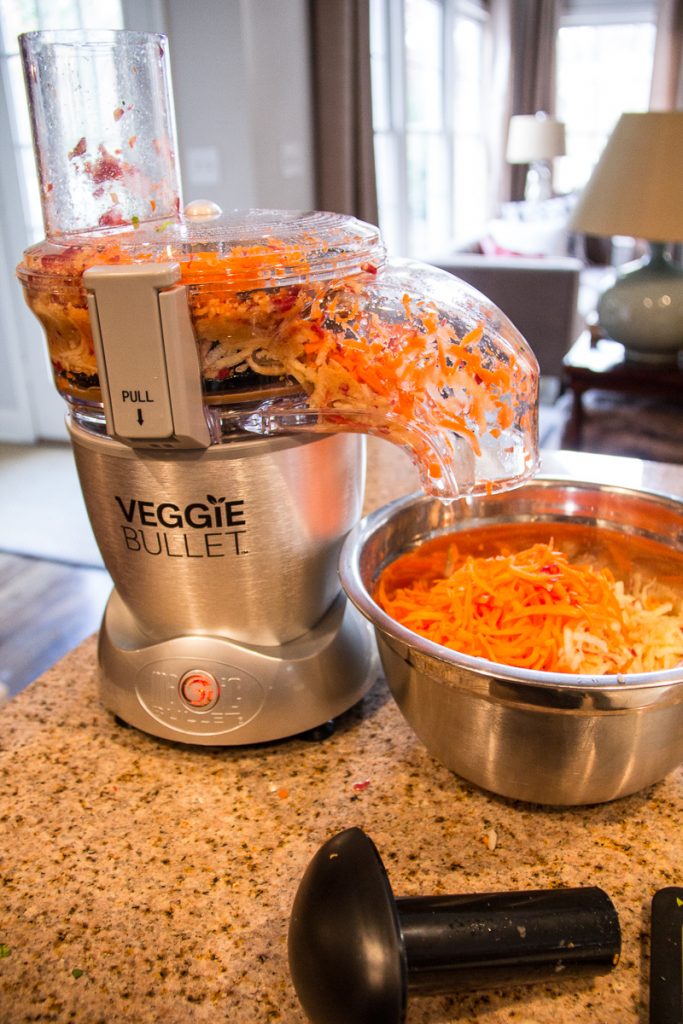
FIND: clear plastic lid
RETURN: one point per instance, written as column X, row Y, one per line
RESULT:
column 248, row 276
column 241, row 250
column 300, row 324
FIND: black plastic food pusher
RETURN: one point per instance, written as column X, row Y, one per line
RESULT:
column 666, row 956
column 355, row 952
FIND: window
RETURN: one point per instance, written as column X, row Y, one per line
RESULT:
column 604, row 67
column 428, row 109
column 17, row 16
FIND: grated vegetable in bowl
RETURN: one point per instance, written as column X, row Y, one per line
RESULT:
column 534, row 608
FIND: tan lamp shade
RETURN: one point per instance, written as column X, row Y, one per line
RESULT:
column 533, row 137
column 636, row 188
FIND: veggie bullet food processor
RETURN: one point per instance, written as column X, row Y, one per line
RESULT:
column 219, row 373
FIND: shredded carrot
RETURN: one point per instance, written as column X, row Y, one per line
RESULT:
column 532, row 609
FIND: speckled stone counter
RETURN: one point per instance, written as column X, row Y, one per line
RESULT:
column 147, row 882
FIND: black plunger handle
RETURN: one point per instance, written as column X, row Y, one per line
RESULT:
column 494, row 939
column 666, row 956
column 355, row 951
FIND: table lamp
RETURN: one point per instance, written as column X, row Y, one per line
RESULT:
column 536, row 139
column 636, row 189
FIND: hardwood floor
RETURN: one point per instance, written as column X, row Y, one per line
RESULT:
column 46, row 609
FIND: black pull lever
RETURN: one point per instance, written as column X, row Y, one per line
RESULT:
column 355, row 951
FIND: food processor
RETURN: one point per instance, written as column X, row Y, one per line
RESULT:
column 220, row 372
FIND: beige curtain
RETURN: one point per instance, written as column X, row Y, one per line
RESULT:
column 524, row 44
column 342, row 108
column 666, row 92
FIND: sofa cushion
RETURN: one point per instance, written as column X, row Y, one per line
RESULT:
column 548, row 238
column 539, row 296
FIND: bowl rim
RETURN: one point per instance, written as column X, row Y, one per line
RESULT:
column 356, row 591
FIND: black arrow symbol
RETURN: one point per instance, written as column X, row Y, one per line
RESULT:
column 140, row 419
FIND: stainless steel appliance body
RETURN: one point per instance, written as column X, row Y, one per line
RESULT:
column 227, row 624
column 239, row 540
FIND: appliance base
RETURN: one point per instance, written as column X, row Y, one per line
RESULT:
column 213, row 691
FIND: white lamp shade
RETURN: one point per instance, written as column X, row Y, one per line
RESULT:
column 636, row 187
column 533, row 137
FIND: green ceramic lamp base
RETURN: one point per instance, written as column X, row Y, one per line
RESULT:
column 644, row 308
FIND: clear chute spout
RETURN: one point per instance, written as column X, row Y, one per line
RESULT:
column 413, row 355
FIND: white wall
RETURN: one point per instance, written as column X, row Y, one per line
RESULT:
column 279, row 102
column 242, row 98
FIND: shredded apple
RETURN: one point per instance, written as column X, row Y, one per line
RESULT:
column 533, row 609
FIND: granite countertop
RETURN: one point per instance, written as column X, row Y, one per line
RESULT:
column 145, row 882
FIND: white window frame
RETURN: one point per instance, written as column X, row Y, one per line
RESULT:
column 607, row 12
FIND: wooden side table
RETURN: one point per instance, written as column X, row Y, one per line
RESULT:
column 601, row 364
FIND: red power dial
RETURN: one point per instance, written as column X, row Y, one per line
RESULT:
column 199, row 689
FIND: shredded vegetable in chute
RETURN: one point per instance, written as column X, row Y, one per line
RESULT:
column 313, row 330
column 532, row 609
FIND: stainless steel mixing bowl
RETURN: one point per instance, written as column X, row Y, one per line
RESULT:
column 543, row 737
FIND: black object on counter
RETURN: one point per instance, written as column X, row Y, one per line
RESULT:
column 355, row 952
column 666, row 956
